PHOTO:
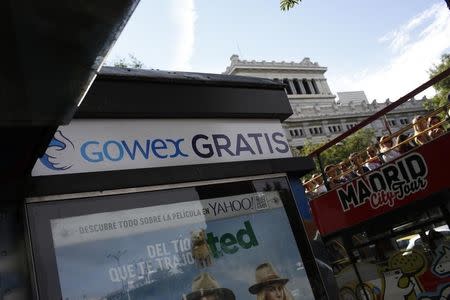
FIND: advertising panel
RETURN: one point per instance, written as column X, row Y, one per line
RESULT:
column 234, row 247
column 107, row 145
column 411, row 177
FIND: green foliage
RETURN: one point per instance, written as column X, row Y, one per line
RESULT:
column 288, row 4
column 442, row 87
column 354, row 143
column 133, row 62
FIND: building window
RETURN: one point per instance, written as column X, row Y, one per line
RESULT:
column 305, row 84
column 297, row 86
column 392, row 122
column 316, row 130
column 404, row 121
column 335, row 128
column 296, row 132
column 350, row 126
column 315, row 87
column 302, row 133
column 288, row 86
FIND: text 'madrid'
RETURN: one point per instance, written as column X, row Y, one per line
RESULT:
column 386, row 185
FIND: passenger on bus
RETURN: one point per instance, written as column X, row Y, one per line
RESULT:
column 345, row 170
column 358, row 165
column 386, row 144
column 319, row 187
column 309, row 187
column 373, row 160
column 438, row 130
column 448, row 111
column 420, row 125
column 402, row 146
column 333, row 178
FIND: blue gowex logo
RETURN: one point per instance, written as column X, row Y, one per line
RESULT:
column 58, row 153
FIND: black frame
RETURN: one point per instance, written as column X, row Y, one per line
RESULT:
column 40, row 213
column 109, row 180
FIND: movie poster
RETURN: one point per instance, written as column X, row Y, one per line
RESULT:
column 226, row 248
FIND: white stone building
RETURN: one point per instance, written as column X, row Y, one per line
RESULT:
column 317, row 115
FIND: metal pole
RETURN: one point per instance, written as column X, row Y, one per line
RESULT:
column 386, row 124
column 325, row 181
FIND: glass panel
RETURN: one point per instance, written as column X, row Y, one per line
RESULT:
column 220, row 247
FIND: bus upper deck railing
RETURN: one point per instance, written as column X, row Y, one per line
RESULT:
column 372, row 158
column 424, row 128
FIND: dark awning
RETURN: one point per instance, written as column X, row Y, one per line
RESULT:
column 51, row 51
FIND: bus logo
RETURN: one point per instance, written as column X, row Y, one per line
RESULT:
column 387, row 185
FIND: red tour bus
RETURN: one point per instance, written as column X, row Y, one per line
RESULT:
column 387, row 229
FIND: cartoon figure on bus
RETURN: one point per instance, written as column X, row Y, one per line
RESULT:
column 400, row 279
column 398, row 284
column 443, row 293
column 441, row 265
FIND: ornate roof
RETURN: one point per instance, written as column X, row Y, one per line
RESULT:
column 306, row 63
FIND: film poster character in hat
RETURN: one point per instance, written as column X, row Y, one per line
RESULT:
column 205, row 287
column 269, row 285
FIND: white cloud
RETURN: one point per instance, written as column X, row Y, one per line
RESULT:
column 183, row 14
column 416, row 46
column 399, row 37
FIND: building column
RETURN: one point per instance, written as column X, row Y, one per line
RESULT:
column 325, row 85
column 291, row 84
column 321, row 86
column 300, row 84
column 318, row 85
column 311, row 88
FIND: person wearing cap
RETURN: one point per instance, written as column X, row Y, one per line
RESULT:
column 205, row 287
column 319, row 187
column 309, row 187
column 269, row 285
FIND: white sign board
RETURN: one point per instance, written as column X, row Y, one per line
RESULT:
column 106, row 145
column 107, row 225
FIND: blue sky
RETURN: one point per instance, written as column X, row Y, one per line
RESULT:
column 382, row 47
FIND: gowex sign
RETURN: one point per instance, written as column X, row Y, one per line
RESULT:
column 106, row 145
